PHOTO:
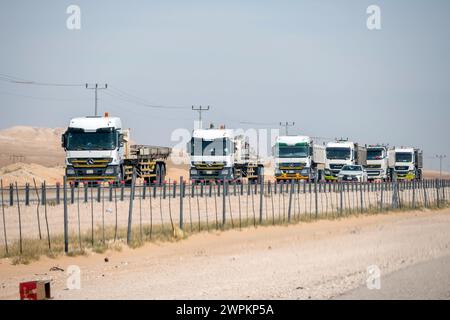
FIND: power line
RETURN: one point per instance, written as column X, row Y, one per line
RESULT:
column 16, row 80
column 41, row 98
column 140, row 102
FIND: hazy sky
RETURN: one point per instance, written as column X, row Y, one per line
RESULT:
column 312, row 62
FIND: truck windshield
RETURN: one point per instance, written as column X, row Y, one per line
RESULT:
column 100, row 140
column 403, row 157
column 216, row 147
column 375, row 154
column 293, row 151
column 338, row 153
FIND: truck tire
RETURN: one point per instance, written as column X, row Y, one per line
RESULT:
column 163, row 173
column 158, row 173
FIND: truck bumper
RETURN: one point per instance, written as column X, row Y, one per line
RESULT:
column 405, row 176
column 211, row 175
column 291, row 176
column 93, row 174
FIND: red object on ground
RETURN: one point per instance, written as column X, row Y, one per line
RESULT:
column 34, row 290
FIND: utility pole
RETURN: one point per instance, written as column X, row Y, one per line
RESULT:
column 96, row 87
column 286, row 125
column 440, row 157
column 200, row 110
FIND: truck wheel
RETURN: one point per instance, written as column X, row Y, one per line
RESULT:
column 163, row 173
column 158, row 173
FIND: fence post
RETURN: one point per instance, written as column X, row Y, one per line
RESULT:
column 223, row 204
column 290, row 201
column 44, row 194
column 316, row 203
column 181, row 202
column 99, row 189
column 11, row 194
column 341, row 198
column 72, row 193
column 57, row 193
column 66, row 226
column 27, row 194
column 4, row 222
column 261, row 198
column 413, row 194
column 361, row 197
column 130, row 211
column 20, row 219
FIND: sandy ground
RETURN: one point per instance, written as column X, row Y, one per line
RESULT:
column 323, row 259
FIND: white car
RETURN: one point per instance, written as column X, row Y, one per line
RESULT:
column 352, row 173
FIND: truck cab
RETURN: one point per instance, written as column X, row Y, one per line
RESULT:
column 406, row 163
column 94, row 149
column 296, row 157
column 377, row 162
column 218, row 155
column 211, row 154
column 338, row 154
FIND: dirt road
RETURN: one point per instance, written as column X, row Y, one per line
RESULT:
column 323, row 259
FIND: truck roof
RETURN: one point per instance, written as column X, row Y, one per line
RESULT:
column 93, row 123
column 210, row 134
column 410, row 150
column 340, row 144
column 291, row 140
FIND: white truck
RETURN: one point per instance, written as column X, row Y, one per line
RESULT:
column 342, row 152
column 98, row 149
column 377, row 165
column 298, row 158
column 217, row 154
column 406, row 163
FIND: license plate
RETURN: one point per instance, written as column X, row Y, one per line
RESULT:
column 89, row 171
column 209, row 172
column 349, row 178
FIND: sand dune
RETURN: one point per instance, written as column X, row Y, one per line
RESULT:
column 31, row 145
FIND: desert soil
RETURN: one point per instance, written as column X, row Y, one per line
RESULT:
column 317, row 260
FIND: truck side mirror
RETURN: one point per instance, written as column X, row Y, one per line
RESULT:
column 63, row 141
column 188, row 147
column 121, row 140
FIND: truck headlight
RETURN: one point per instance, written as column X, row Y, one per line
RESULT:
column 70, row 171
column 224, row 172
column 327, row 172
column 277, row 171
column 110, row 170
column 194, row 171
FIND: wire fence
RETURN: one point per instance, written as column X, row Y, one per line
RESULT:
column 69, row 218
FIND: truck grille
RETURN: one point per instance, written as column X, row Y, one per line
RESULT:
column 89, row 162
column 401, row 168
column 336, row 166
column 209, row 165
column 291, row 166
column 373, row 166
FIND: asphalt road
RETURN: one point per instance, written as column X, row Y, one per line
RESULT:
column 426, row 280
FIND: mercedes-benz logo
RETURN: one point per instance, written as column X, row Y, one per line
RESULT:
column 90, row 161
